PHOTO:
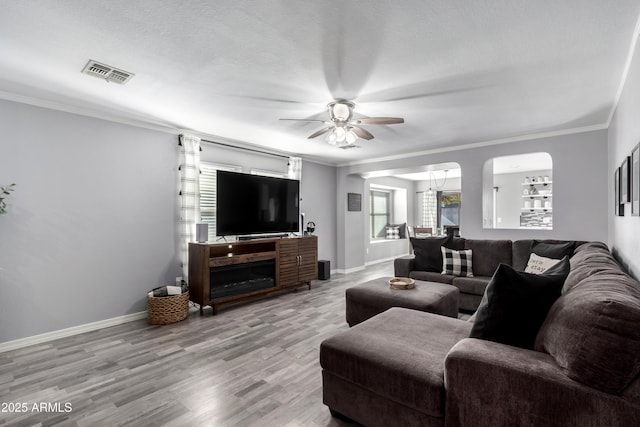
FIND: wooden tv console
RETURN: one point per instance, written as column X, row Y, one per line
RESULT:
column 292, row 261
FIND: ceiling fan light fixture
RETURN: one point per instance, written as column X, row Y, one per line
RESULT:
column 331, row 137
column 351, row 137
column 341, row 134
column 344, row 129
column 340, row 111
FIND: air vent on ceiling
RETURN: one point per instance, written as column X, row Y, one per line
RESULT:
column 348, row 146
column 106, row 72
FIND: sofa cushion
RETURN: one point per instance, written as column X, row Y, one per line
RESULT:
column 488, row 254
column 431, row 276
column 456, row 243
column 553, row 250
column 471, row 285
column 398, row 354
column 457, row 263
column 428, row 255
column 589, row 259
column 592, row 329
column 515, row 304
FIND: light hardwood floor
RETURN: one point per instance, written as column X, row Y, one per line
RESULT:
column 254, row 364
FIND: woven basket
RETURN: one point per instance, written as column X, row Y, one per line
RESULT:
column 165, row 310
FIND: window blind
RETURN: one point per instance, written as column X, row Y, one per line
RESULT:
column 208, row 194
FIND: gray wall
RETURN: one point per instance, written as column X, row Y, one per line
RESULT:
column 91, row 225
column 90, row 228
column 580, row 188
column 624, row 134
column 350, row 234
column 318, row 189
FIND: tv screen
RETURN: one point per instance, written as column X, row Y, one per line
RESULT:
column 252, row 204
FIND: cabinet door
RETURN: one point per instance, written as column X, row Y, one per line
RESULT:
column 308, row 252
column 288, row 262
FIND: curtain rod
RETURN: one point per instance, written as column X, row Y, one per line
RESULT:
column 243, row 148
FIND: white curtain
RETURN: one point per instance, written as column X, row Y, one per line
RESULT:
column 295, row 168
column 189, row 196
column 429, row 210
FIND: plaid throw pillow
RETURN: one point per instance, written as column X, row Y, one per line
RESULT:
column 457, row 263
column 393, row 232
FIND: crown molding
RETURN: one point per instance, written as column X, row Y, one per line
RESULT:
column 145, row 124
column 88, row 112
column 520, row 138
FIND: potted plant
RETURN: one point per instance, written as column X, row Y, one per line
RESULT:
column 5, row 191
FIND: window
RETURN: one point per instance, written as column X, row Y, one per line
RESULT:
column 380, row 212
column 450, row 208
column 441, row 209
column 208, row 193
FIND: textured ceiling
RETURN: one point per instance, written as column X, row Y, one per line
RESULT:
column 458, row 71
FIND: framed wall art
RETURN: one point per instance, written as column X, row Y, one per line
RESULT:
column 354, row 202
column 617, row 205
column 625, row 193
column 635, row 181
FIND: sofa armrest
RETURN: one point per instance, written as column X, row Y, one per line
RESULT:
column 492, row 384
column 404, row 265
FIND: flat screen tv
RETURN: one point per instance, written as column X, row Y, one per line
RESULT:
column 252, row 204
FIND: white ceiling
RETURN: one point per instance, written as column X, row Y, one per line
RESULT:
column 458, row 71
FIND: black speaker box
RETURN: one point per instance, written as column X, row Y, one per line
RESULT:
column 324, row 270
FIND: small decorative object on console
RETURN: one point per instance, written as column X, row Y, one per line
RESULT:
column 311, row 227
column 402, row 283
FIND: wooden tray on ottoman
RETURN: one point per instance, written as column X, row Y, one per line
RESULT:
column 402, row 283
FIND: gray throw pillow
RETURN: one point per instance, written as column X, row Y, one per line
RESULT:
column 553, row 250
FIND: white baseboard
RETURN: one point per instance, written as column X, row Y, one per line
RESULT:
column 378, row 261
column 349, row 270
column 75, row 330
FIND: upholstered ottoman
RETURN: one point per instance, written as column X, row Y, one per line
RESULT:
column 370, row 298
column 389, row 370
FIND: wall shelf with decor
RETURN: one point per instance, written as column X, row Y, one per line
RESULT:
column 537, row 206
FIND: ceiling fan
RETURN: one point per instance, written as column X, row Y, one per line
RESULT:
column 344, row 129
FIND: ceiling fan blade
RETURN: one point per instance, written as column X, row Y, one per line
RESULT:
column 308, row 120
column 378, row 120
column 320, row 132
column 361, row 133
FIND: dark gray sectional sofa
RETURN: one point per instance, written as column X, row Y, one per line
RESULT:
column 487, row 255
column 410, row 368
